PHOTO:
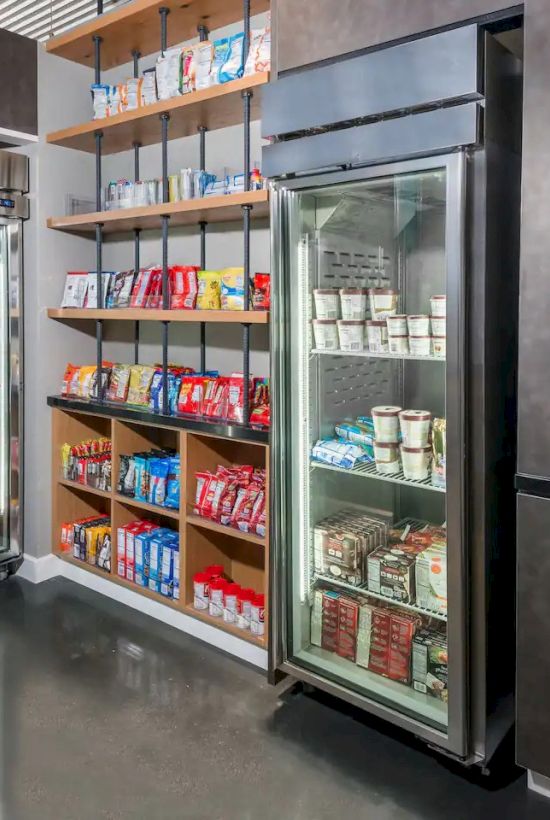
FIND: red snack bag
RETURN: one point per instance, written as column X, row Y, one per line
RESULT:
column 70, row 375
column 183, row 287
column 216, row 398
column 141, row 288
column 235, row 408
column 261, row 293
column 203, row 479
column 154, row 296
column 191, row 395
column 257, row 511
column 242, row 516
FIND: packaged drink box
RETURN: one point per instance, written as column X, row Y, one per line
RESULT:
column 430, row 664
column 431, row 579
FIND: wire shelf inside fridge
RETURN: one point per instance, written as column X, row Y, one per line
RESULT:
column 368, row 470
column 368, row 354
column 364, row 592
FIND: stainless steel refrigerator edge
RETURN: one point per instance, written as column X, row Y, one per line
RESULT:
column 14, row 208
column 483, row 182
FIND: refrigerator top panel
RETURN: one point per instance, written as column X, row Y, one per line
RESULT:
column 369, row 311
column 14, row 172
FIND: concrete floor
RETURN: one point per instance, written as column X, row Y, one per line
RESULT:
column 108, row 714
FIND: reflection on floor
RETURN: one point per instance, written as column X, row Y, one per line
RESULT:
column 108, row 714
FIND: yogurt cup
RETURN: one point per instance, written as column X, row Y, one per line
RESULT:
column 420, row 345
column 416, row 462
column 438, row 305
column 398, row 344
column 327, row 303
column 377, row 336
column 325, row 332
column 386, row 424
column 351, row 334
column 353, row 302
column 419, row 325
column 397, row 325
column 382, row 302
column 439, row 346
column 415, row 427
column 386, row 456
column 439, row 325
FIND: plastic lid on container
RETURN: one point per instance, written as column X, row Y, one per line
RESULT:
column 245, row 594
column 214, row 570
column 382, row 292
column 231, row 589
column 400, row 336
column 259, row 600
column 418, row 337
column 386, row 410
column 218, row 583
column 201, row 578
column 351, row 291
column 324, row 321
column 416, row 415
column 376, row 323
column 439, row 337
column 416, row 449
column 347, row 322
column 388, row 444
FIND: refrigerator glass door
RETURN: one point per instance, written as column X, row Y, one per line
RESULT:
column 368, row 375
column 10, row 234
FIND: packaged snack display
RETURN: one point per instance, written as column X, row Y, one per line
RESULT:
column 220, row 597
column 152, row 476
column 259, row 55
column 141, row 376
column 100, row 99
column 183, row 287
column 88, row 463
column 342, row 543
column 148, row 555
column 221, row 52
column 209, row 290
column 92, row 289
column 261, row 291
column 89, row 540
column 134, row 93
column 233, row 65
column 149, row 90
column 233, row 496
column 169, row 74
column 232, row 289
column 76, row 288
column 187, row 70
column 203, row 54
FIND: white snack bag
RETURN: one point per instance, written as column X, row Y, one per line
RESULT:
column 134, row 93
column 149, row 87
column 259, row 54
column 76, row 287
column 100, row 97
column 203, row 64
column 169, row 74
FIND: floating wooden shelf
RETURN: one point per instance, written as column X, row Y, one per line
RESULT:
column 136, row 26
column 251, row 317
column 188, row 212
column 150, row 508
column 245, row 634
column 215, row 107
column 206, row 524
column 74, row 485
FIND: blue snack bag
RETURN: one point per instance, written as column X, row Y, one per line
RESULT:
column 172, row 499
column 158, row 479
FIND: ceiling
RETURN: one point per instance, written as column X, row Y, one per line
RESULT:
column 41, row 19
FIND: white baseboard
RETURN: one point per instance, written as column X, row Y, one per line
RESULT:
column 538, row 783
column 40, row 569
column 37, row 570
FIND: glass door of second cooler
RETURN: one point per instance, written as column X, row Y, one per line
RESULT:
column 372, row 431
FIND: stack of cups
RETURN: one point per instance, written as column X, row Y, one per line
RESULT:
column 398, row 336
column 351, row 327
column 382, row 303
column 419, row 335
column 386, row 439
column 327, row 310
column 416, row 452
column 438, row 306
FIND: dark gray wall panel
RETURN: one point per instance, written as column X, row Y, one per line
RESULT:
column 18, row 90
column 533, row 637
column 319, row 30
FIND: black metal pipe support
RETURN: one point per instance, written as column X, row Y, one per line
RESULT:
column 247, row 96
column 164, row 12
column 97, row 57
column 135, row 56
column 99, row 7
column 202, row 31
column 246, row 23
column 246, row 373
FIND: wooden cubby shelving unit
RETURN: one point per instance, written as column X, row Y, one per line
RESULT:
column 135, row 30
column 245, row 557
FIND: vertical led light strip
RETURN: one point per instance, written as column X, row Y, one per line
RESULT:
column 303, row 418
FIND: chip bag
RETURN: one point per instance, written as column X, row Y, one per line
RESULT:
column 209, row 293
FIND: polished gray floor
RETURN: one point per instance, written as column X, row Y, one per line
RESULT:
column 108, row 714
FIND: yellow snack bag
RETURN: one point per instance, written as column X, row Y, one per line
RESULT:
column 209, row 293
column 85, row 380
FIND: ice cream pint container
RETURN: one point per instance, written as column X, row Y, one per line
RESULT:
column 420, row 345
column 382, row 302
column 416, row 462
column 327, row 303
column 397, row 325
column 415, row 427
column 418, row 325
column 439, row 325
column 439, row 344
column 386, row 456
column 377, row 336
column 353, row 302
column 325, row 333
column 351, row 334
column 438, row 305
column 386, row 423
column 398, row 344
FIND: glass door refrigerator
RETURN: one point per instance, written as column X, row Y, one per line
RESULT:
column 390, row 436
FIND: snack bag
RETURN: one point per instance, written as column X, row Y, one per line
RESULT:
column 216, row 398
column 85, row 381
column 232, row 289
column 168, row 71
column 141, row 289
column 120, row 289
column 117, row 100
column 158, row 471
column 235, row 405
column 191, row 395
column 141, row 476
column 234, row 64
column 134, row 93
column 154, row 297
column 100, row 98
column 188, row 70
column 105, row 378
column 183, row 287
column 209, row 293
column 261, row 293
column 220, row 55
column 203, row 53
column 70, row 375
column 141, row 377
column 76, row 288
column 172, row 499
column 149, row 87
column 92, row 290
column 259, row 55
column 119, row 383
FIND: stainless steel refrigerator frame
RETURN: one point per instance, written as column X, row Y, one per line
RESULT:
column 282, row 195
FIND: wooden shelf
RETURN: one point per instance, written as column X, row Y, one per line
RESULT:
column 151, row 508
column 136, row 26
column 215, row 107
column 245, row 634
column 206, row 524
column 252, row 317
column 74, row 485
column 188, row 212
